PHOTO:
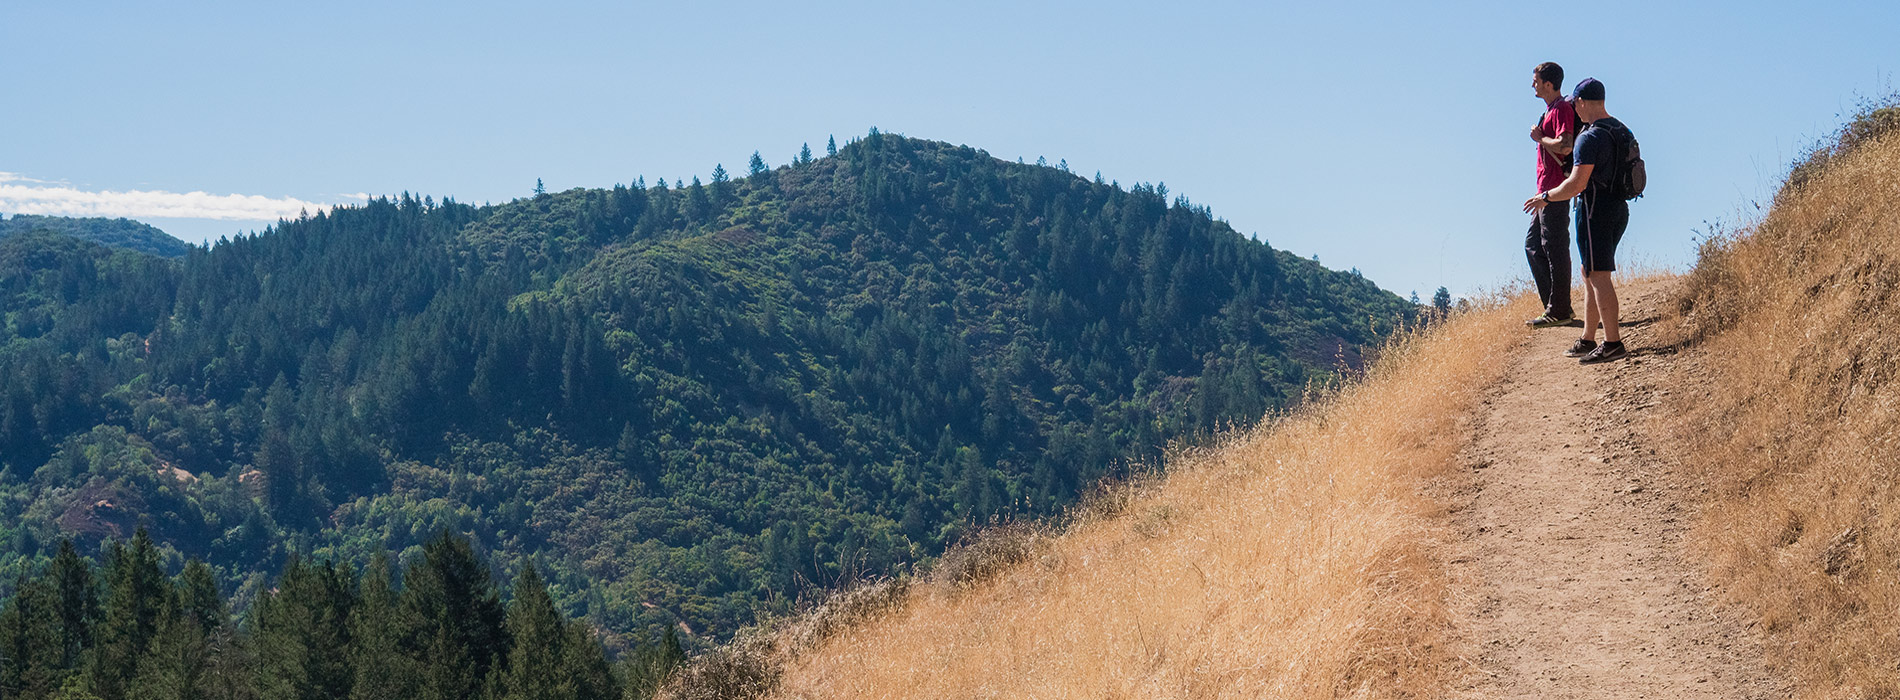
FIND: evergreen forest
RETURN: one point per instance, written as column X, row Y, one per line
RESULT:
column 662, row 409
column 129, row 630
column 118, row 233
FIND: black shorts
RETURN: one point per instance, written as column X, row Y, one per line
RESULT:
column 1600, row 225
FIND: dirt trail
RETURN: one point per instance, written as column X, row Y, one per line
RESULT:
column 1573, row 578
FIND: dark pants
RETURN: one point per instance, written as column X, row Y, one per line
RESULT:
column 1547, row 246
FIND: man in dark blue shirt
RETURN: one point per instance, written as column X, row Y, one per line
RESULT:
column 1601, row 214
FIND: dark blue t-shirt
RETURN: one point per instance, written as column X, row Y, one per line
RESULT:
column 1596, row 147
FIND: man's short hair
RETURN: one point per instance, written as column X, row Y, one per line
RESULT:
column 1551, row 73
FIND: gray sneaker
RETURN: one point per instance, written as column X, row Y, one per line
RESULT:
column 1580, row 348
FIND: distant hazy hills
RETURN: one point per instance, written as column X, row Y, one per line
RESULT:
column 117, row 233
column 687, row 401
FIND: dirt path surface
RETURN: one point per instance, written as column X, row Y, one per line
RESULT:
column 1573, row 577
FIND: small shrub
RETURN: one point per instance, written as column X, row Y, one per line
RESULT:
column 985, row 554
column 742, row 670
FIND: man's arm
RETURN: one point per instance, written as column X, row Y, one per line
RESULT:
column 1572, row 186
column 1560, row 145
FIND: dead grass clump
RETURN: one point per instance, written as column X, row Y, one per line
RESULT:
column 989, row 552
column 841, row 612
column 1798, row 440
column 743, row 669
column 1873, row 121
column 1109, row 498
column 1707, row 300
column 1295, row 560
column 748, row 667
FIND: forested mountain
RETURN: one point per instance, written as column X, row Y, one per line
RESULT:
column 117, row 233
column 685, row 402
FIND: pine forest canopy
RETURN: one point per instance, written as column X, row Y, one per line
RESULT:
column 687, row 402
column 127, row 630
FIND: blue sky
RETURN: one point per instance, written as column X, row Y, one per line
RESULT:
column 1386, row 136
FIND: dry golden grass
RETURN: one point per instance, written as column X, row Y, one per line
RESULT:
column 1292, row 561
column 1799, row 437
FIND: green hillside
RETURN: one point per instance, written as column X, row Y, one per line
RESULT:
column 687, row 402
column 117, row 233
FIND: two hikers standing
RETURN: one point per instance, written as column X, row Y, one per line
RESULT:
column 1600, row 181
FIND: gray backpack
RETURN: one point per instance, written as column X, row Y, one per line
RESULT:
column 1632, row 176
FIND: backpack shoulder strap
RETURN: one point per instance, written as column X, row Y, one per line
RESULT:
column 1620, row 137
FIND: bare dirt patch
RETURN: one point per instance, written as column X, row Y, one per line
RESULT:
column 1572, row 577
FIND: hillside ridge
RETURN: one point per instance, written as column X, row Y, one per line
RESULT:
column 686, row 403
column 116, row 233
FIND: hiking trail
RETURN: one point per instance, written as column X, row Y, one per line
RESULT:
column 1571, row 574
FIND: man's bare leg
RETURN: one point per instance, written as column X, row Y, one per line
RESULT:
column 1589, row 306
column 1603, row 305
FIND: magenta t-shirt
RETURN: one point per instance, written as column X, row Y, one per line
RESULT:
column 1557, row 122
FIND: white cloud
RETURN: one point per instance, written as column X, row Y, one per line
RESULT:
column 16, row 177
column 62, row 200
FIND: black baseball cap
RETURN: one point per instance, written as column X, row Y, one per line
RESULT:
column 1587, row 89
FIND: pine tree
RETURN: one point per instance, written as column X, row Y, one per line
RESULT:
column 29, row 641
column 301, row 633
column 698, row 207
column 175, row 666
column 1441, row 300
column 539, row 189
column 276, row 458
column 804, row 155
column 199, row 599
column 535, row 657
column 76, row 594
column 756, row 166
column 384, row 670
column 135, row 597
column 458, row 619
column 584, row 664
column 180, row 663
column 831, row 146
column 721, row 186
column 228, row 665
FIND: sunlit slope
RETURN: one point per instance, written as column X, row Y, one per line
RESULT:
column 1295, row 560
column 1798, row 437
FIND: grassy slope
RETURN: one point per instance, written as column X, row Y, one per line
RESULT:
column 1295, row 560
column 1799, row 439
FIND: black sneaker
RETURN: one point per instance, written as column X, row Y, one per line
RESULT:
column 1580, row 348
column 1609, row 351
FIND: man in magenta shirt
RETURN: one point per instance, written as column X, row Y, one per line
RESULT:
column 1547, row 246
